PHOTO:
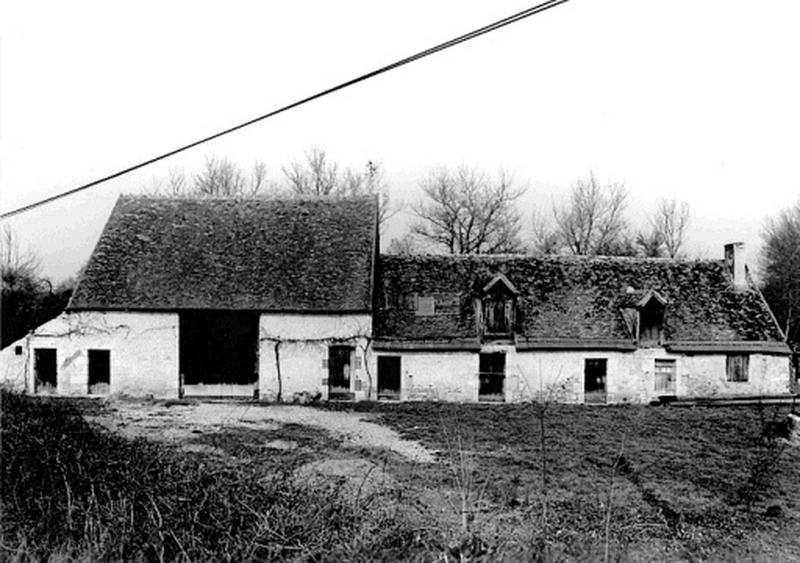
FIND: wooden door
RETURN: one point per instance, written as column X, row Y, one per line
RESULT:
column 339, row 369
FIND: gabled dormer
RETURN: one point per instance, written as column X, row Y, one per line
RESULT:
column 644, row 314
column 497, row 308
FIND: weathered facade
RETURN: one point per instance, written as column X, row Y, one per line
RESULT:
column 271, row 299
column 576, row 329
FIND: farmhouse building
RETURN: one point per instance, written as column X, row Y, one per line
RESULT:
column 271, row 298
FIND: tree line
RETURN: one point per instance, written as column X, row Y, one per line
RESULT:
column 463, row 210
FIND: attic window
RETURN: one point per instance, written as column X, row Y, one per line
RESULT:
column 651, row 319
column 498, row 305
column 425, row 306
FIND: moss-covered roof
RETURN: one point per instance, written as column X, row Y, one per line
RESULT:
column 569, row 298
column 236, row 254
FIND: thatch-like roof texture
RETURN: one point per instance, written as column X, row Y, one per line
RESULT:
column 569, row 298
column 265, row 255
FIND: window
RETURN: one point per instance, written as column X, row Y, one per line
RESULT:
column 18, row 350
column 425, row 306
column 665, row 377
column 499, row 307
column 491, row 376
column 738, row 367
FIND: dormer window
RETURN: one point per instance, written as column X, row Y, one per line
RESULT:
column 498, row 307
column 651, row 323
column 644, row 314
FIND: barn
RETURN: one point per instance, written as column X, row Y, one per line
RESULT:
column 271, row 298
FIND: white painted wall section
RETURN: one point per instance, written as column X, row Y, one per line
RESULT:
column 296, row 345
column 143, row 351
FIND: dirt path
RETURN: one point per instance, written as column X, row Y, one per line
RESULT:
column 176, row 423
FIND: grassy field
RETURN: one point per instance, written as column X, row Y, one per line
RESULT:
column 511, row 482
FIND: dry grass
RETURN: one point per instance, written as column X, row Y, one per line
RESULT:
column 632, row 483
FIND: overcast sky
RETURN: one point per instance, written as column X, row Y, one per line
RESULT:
column 692, row 99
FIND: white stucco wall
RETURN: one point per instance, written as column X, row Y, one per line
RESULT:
column 302, row 346
column 143, row 352
column 13, row 366
column 437, row 376
column 706, row 376
column 558, row 375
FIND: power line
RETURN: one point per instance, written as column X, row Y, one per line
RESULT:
column 427, row 52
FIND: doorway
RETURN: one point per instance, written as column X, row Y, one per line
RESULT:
column 340, row 360
column 44, row 369
column 219, row 353
column 99, row 372
column 389, row 377
column 594, row 380
column 492, row 375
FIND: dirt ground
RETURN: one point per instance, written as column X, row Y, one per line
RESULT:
column 178, row 423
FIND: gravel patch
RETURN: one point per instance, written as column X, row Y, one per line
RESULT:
column 179, row 422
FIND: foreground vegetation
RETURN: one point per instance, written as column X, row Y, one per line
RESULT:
column 71, row 491
column 513, row 482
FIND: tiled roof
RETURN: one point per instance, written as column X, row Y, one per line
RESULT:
column 569, row 299
column 276, row 255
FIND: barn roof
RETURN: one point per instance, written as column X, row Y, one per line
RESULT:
column 570, row 301
column 233, row 254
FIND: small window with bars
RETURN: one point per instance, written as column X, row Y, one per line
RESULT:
column 665, row 377
column 738, row 367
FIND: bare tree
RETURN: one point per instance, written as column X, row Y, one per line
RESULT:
column 13, row 260
column 545, row 237
column 650, row 243
column 404, row 245
column 468, row 212
column 316, row 176
column 319, row 176
column 592, row 221
column 221, row 177
column 670, row 221
column 781, row 269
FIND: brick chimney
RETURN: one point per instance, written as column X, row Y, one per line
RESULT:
column 735, row 264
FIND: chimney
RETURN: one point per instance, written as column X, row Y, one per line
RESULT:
column 735, row 265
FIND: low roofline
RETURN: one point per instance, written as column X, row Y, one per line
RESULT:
column 735, row 346
column 217, row 309
column 424, row 345
column 576, row 344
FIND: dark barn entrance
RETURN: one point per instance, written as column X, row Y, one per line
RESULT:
column 219, row 353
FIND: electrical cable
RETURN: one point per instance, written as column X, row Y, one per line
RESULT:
column 425, row 53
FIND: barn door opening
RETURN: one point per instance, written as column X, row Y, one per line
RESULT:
column 389, row 377
column 99, row 372
column 594, row 381
column 219, row 353
column 340, row 361
column 44, row 369
column 492, row 375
